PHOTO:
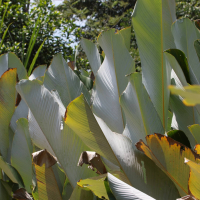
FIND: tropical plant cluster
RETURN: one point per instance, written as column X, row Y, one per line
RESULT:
column 119, row 134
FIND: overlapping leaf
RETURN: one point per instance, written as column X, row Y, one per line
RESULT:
column 152, row 20
column 118, row 149
column 61, row 77
column 110, row 80
column 48, row 113
column 169, row 156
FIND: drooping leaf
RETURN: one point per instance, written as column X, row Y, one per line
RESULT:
column 157, row 31
column 21, row 152
column 92, row 54
column 179, row 136
column 7, row 107
column 11, row 172
column 194, row 178
column 123, row 191
column 48, row 112
column 169, row 156
column 195, row 130
column 10, row 60
column 190, row 94
column 185, row 33
column 110, row 80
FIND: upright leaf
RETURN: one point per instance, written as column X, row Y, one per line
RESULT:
column 92, row 54
column 152, row 20
column 61, row 77
column 110, row 80
column 48, row 112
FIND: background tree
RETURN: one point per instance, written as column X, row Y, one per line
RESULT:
column 96, row 16
column 23, row 15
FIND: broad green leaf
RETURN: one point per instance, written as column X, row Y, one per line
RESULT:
column 11, row 172
column 141, row 116
column 195, row 130
column 197, row 48
column 21, row 154
column 22, row 110
column 118, row 149
column 123, row 191
column 190, row 94
column 61, row 77
column 5, row 190
column 126, row 34
column 81, row 193
column 179, row 136
column 169, row 156
column 184, row 116
column 152, row 20
column 194, row 178
column 92, row 54
column 185, row 33
column 48, row 112
column 110, row 80
column 7, row 107
column 10, row 60
column 179, row 64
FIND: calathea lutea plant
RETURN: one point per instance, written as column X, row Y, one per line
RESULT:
column 131, row 137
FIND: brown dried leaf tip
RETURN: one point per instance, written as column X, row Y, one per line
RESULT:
column 93, row 159
column 44, row 157
column 22, row 194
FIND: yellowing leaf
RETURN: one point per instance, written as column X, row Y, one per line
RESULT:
column 47, row 185
column 7, row 107
column 169, row 156
column 194, row 179
column 190, row 94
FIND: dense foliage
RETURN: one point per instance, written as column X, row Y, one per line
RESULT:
column 23, row 17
